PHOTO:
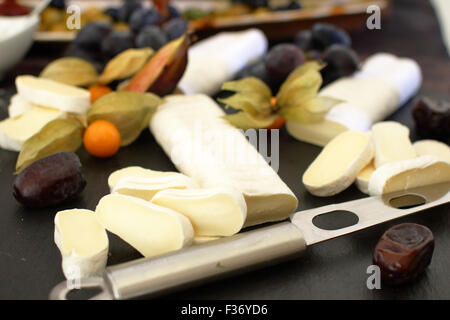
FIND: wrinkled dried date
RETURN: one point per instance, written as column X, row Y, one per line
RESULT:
column 403, row 252
column 50, row 181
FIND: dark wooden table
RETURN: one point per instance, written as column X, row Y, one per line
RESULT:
column 30, row 262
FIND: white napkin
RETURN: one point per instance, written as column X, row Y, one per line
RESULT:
column 217, row 59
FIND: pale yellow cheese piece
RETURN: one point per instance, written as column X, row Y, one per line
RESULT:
column 339, row 163
column 82, row 241
column 392, row 143
column 432, row 147
column 212, row 212
column 150, row 229
column 363, row 178
column 204, row 239
column 408, row 174
column 15, row 131
column 53, row 94
column 319, row 133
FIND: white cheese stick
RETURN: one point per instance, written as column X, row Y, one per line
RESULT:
column 392, row 143
column 384, row 84
column 207, row 148
column 15, row 131
column 432, row 147
column 138, row 172
column 83, row 243
column 212, row 212
column 408, row 174
column 146, row 188
column 53, row 94
column 339, row 163
column 150, row 229
column 217, row 59
column 363, row 178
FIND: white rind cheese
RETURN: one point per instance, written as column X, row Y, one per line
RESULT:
column 408, row 174
column 363, row 178
column 15, row 131
column 207, row 148
column 212, row 212
column 339, row 163
column 392, row 143
column 432, row 147
column 150, row 229
column 83, row 243
column 19, row 105
column 146, row 188
column 53, row 94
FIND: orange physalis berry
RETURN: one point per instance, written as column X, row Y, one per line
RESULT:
column 102, row 139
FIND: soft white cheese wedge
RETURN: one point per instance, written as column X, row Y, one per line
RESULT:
column 407, row 174
column 53, row 94
column 210, row 150
column 203, row 239
column 146, row 188
column 363, row 178
column 19, row 105
column 138, row 172
column 432, row 147
column 83, row 243
column 150, row 229
column 339, row 163
column 392, row 143
column 212, row 212
column 15, row 131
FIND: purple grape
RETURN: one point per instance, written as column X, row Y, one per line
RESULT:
column 282, row 60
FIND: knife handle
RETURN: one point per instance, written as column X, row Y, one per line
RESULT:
column 200, row 263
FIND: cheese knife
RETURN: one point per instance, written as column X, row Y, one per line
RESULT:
column 251, row 249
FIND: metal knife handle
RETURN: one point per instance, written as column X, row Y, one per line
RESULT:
column 238, row 253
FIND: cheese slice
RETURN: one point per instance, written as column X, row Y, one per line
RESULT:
column 339, row 163
column 83, row 243
column 146, row 188
column 15, row 131
column 363, row 178
column 432, row 147
column 150, row 229
column 408, row 174
column 212, row 212
column 19, row 105
column 207, row 148
column 392, row 143
column 137, row 172
column 204, row 239
column 53, row 94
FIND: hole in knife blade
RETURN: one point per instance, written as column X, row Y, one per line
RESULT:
column 83, row 294
column 407, row 201
column 335, row 220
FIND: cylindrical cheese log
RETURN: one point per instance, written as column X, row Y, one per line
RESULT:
column 217, row 59
column 207, row 148
column 384, row 84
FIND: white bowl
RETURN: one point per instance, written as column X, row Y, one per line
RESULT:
column 14, row 46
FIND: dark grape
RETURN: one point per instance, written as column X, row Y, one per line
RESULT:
column 127, row 9
column 91, row 35
column 58, row 4
column 117, row 42
column 282, row 60
column 173, row 12
column 432, row 118
column 95, row 58
column 293, row 5
column 113, row 13
column 304, row 40
column 175, row 28
column 325, row 35
column 151, row 36
column 144, row 17
column 340, row 62
column 404, row 252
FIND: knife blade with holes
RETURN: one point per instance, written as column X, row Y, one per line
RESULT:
column 250, row 249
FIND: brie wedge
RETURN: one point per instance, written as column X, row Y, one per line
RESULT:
column 432, row 147
column 391, row 143
column 339, row 163
column 210, row 150
column 53, row 94
column 146, row 188
column 15, row 131
column 212, row 212
column 150, row 229
column 83, row 243
column 407, row 174
column 363, row 178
